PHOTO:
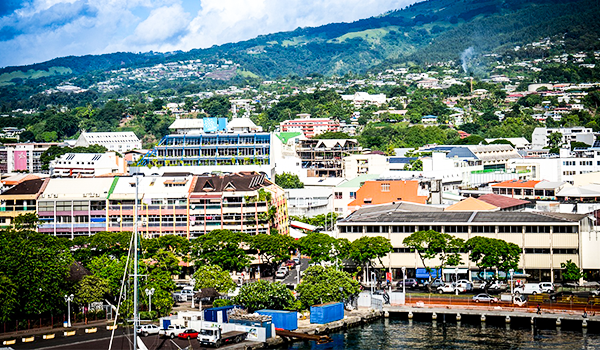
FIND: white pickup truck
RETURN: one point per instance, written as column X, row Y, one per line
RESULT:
column 172, row 331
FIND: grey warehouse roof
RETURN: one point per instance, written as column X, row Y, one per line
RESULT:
column 461, row 217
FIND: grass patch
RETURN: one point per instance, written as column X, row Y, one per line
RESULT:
column 246, row 73
column 33, row 74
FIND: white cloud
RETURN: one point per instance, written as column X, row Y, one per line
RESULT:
column 44, row 29
column 164, row 23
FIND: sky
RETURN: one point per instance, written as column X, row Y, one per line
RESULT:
column 33, row 31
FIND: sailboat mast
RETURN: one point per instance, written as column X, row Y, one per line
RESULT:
column 136, row 318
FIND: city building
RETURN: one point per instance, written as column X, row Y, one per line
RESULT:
column 87, row 165
column 324, row 158
column 308, row 126
column 363, row 99
column 23, row 156
column 20, row 199
column 389, row 190
column 74, row 207
column 163, row 204
column 121, row 142
column 208, row 152
column 345, row 193
column 245, row 202
column 546, row 239
column 539, row 138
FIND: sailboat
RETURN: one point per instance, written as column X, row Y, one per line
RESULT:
column 138, row 344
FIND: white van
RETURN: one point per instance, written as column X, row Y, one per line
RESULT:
column 529, row 288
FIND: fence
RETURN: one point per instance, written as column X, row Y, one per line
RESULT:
column 45, row 321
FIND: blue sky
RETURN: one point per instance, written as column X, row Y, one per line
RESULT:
column 34, row 31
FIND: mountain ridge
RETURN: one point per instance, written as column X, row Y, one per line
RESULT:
column 424, row 32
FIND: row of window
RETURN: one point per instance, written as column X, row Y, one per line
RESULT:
column 459, row 229
column 527, row 250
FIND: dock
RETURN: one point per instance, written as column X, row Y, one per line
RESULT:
column 494, row 315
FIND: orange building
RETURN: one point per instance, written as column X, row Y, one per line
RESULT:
column 388, row 191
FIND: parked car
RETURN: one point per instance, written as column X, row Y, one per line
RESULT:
column 148, row 329
column 484, row 297
column 408, row 283
column 529, row 288
column 188, row 334
column 290, row 263
column 464, row 285
column 280, row 274
column 185, row 294
column 595, row 292
column 434, row 284
column 172, row 331
column 447, row 288
column 547, row 287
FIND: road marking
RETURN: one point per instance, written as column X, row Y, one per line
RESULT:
column 80, row 342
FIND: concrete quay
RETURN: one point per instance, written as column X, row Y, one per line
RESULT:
column 351, row 319
column 495, row 315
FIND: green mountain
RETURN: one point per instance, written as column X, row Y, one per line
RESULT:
column 425, row 32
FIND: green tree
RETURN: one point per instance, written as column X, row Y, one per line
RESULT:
column 366, row 249
column 325, row 284
column 288, row 180
column 27, row 221
column 91, row 289
column 320, row 247
column 222, row 248
column 492, row 253
column 110, row 269
column 265, row 295
column 571, row 272
column 414, row 165
column 272, row 249
column 39, row 266
column 555, row 140
column 8, row 298
column 211, row 276
column 431, row 244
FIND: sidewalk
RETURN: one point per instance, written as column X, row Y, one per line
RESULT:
column 47, row 330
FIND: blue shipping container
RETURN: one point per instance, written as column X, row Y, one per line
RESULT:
column 326, row 313
column 211, row 314
column 287, row 320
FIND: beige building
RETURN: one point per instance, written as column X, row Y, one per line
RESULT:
column 546, row 240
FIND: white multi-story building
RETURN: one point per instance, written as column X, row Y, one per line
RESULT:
column 113, row 141
column 539, row 138
column 22, row 157
column 87, row 165
column 360, row 99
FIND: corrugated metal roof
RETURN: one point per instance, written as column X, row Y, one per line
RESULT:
column 459, row 217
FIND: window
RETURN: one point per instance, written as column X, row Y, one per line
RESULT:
column 403, row 229
column 537, row 250
column 385, row 187
column 564, row 251
column 352, row 195
column 351, row 229
column 565, row 229
column 456, row 229
column 483, row 229
column 402, row 250
column 375, row 229
column 338, row 195
column 510, row 229
column 537, row 229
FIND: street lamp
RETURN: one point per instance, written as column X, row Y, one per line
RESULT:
column 68, row 300
column 149, row 293
column 456, row 279
column 511, row 271
column 373, row 277
column 404, row 280
column 193, row 283
column 298, row 275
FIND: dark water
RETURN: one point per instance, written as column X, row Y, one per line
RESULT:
column 402, row 334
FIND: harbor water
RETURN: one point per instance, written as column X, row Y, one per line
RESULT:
column 403, row 334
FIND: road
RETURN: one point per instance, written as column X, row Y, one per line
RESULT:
column 122, row 341
column 292, row 277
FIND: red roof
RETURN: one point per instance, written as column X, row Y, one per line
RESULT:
column 502, row 202
column 517, row 184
